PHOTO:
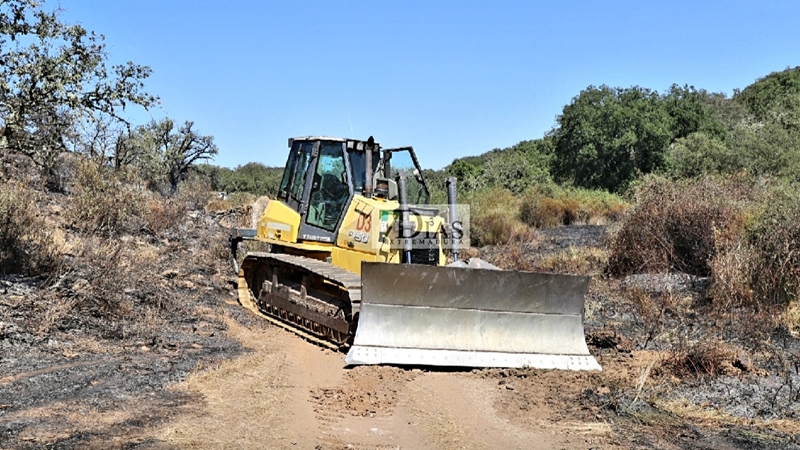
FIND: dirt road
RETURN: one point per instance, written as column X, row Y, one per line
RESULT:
column 287, row 393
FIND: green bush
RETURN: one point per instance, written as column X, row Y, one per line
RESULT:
column 254, row 178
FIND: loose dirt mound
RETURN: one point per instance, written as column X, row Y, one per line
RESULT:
column 367, row 391
column 529, row 396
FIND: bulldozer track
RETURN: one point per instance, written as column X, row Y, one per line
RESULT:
column 311, row 298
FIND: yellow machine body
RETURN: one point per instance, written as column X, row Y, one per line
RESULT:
column 369, row 233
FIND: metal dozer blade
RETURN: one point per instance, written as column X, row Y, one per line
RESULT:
column 461, row 316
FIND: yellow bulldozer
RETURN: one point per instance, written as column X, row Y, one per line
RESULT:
column 356, row 261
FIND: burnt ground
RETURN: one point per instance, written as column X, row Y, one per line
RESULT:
column 85, row 358
column 714, row 379
column 169, row 360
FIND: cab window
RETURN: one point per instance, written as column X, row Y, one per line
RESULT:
column 329, row 192
column 299, row 182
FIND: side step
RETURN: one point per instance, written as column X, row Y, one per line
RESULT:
column 448, row 316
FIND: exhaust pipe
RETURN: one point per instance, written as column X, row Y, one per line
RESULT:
column 450, row 186
column 405, row 226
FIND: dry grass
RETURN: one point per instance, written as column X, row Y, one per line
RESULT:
column 775, row 274
column 544, row 212
column 236, row 200
column 106, row 202
column 499, row 229
column 650, row 313
column 673, row 225
column 581, row 261
column 164, row 214
column 28, row 244
column 791, row 317
column 494, row 221
column 548, row 206
column 195, row 192
column 704, row 359
column 715, row 418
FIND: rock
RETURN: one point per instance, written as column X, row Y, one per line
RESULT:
column 55, row 209
column 667, row 283
column 185, row 284
column 80, row 285
column 258, row 209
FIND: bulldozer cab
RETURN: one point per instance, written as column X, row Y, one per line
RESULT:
column 322, row 175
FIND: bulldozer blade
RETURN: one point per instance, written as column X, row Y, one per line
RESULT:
column 449, row 316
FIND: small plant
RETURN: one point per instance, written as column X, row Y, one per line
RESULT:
column 704, row 359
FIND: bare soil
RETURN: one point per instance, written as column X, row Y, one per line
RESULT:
column 204, row 373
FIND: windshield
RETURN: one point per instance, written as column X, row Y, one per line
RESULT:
column 358, row 163
column 329, row 193
column 402, row 159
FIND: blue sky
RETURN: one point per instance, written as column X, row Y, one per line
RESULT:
column 449, row 78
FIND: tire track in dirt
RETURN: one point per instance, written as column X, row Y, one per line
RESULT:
column 288, row 393
column 459, row 411
column 361, row 411
column 456, row 413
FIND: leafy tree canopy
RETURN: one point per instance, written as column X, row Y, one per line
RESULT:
column 167, row 153
column 774, row 98
column 54, row 76
column 255, row 178
column 608, row 136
